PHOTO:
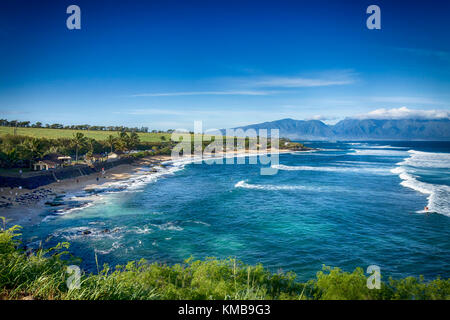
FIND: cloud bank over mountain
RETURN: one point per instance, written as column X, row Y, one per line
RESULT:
column 405, row 113
column 381, row 124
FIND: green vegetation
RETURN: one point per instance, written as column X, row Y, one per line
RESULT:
column 49, row 133
column 22, row 151
column 42, row 275
column 28, row 145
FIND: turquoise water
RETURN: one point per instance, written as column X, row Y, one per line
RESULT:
column 345, row 205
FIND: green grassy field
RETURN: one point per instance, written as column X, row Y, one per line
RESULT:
column 67, row 133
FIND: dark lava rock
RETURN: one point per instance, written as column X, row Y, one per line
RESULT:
column 54, row 203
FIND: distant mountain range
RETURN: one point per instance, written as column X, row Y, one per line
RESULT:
column 355, row 129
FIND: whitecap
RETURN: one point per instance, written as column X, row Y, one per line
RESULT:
column 385, row 147
column 143, row 230
column 245, row 185
column 438, row 195
column 332, row 169
column 378, row 152
column 116, row 245
column 87, row 232
column 199, row 222
column 168, row 226
column 422, row 159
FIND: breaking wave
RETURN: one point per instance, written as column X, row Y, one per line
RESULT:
column 427, row 160
column 438, row 194
column 333, row 169
column 245, row 185
column 378, row 152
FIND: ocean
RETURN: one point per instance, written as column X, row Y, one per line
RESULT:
column 346, row 204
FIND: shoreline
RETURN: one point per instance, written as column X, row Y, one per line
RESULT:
column 26, row 205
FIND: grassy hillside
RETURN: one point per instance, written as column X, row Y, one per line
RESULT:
column 43, row 275
column 67, row 133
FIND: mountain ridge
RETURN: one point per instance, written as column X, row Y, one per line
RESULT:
column 358, row 129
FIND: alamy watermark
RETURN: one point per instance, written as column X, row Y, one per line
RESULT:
column 230, row 147
column 374, row 20
column 73, row 281
column 73, row 22
column 374, row 280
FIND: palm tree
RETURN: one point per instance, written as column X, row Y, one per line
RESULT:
column 12, row 156
column 34, row 148
column 122, row 140
column 78, row 141
column 111, row 141
column 90, row 144
column 30, row 149
column 133, row 140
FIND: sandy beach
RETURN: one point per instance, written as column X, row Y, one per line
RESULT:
column 24, row 205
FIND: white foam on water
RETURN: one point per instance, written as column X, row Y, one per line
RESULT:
column 332, row 150
column 116, row 245
column 378, row 152
column 381, row 171
column 168, row 226
column 143, row 230
column 137, row 182
column 199, row 222
column 309, row 151
column 88, row 232
column 364, row 163
column 370, row 146
column 245, row 185
column 385, row 147
column 133, row 184
column 438, row 194
column 420, row 159
column 70, row 210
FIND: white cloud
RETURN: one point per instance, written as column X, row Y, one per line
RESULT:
column 252, row 86
column 405, row 100
column 321, row 117
column 151, row 111
column 405, row 113
column 323, row 79
column 295, row 82
column 202, row 93
column 445, row 55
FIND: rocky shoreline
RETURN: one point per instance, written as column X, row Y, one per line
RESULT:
column 33, row 180
column 23, row 205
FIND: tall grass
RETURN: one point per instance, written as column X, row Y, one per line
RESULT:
column 43, row 274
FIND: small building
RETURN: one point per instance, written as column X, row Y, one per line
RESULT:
column 65, row 159
column 115, row 155
column 96, row 157
column 59, row 158
column 45, row 165
column 52, row 161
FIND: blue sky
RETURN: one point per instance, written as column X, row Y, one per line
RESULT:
column 164, row 64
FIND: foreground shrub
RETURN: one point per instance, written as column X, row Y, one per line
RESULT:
column 42, row 275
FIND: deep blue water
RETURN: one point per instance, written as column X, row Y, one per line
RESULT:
column 347, row 205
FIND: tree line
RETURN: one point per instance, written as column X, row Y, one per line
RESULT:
column 22, row 151
column 28, row 124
